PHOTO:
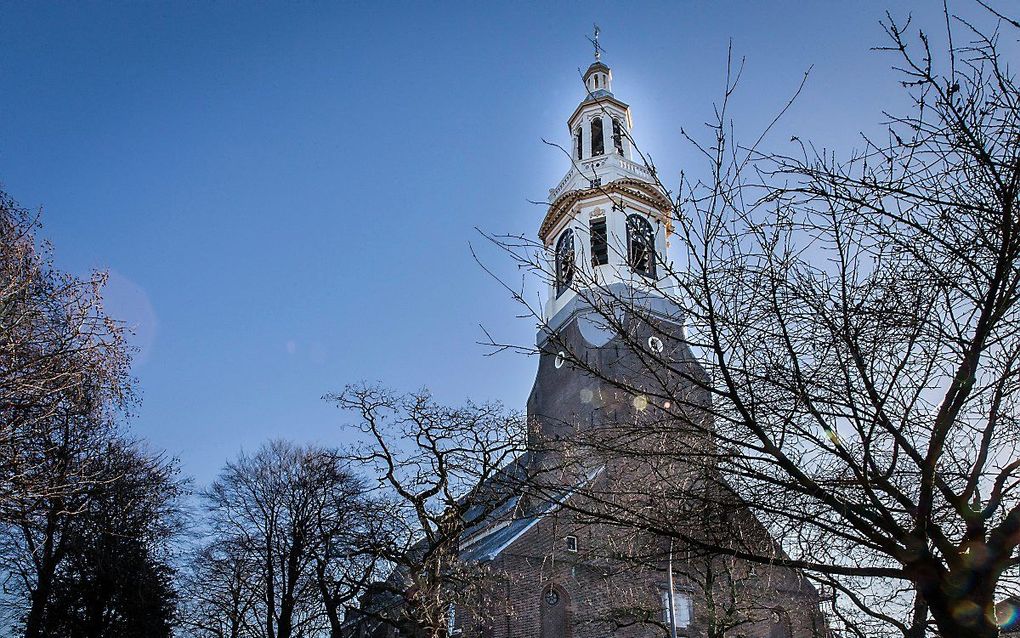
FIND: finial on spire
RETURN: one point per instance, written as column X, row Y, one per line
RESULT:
column 595, row 42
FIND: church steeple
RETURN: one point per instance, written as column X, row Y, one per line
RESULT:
column 608, row 219
column 611, row 293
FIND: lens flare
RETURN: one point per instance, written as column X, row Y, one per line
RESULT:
column 966, row 612
column 1005, row 614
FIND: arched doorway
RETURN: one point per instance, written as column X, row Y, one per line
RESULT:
column 555, row 614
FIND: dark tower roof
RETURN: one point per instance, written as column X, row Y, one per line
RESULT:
column 595, row 66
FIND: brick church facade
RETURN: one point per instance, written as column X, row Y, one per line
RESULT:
column 555, row 569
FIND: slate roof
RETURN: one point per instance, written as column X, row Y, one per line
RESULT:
column 480, row 544
column 511, row 476
column 490, row 547
column 494, row 531
column 596, row 66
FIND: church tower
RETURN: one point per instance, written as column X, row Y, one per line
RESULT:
column 610, row 320
column 614, row 360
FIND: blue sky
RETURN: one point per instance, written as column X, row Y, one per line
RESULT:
column 285, row 193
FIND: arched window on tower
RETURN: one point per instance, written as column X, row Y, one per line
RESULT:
column 580, row 143
column 564, row 261
column 598, row 147
column 599, row 241
column 640, row 246
column 617, row 136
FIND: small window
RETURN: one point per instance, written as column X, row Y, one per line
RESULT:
column 564, row 261
column 655, row 344
column 599, row 241
column 617, row 136
column 682, row 609
column 571, row 543
column 640, row 246
column 597, row 143
column 580, row 144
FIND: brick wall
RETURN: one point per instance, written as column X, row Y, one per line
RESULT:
column 612, row 586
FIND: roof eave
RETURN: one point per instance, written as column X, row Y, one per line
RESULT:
column 643, row 191
column 598, row 100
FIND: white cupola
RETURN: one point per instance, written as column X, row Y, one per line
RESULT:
column 608, row 218
column 599, row 78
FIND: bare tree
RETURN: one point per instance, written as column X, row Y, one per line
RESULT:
column 351, row 528
column 66, row 461
column 64, row 383
column 63, row 361
column 284, row 553
column 117, row 577
column 857, row 321
column 220, row 592
column 445, row 470
column 98, row 562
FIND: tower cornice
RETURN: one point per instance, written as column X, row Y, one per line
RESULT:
column 599, row 100
column 639, row 190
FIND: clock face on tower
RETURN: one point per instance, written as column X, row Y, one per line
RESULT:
column 595, row 328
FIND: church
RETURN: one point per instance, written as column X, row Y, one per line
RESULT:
column 558, row 569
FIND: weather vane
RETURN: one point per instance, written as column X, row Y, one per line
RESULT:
column 595, row 41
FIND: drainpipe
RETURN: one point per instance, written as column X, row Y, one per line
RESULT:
column 672, row 603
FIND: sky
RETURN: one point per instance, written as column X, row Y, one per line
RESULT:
column 286, row 195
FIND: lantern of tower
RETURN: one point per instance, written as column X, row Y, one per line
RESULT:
column 608, row 219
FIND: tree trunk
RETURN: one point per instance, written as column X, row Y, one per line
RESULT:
column 35, row 619
column 979, row 627
column 967, row 614
column 919, row 620
column 288, row 601
column 328, row 600
column 284, row 628
column 270, row 580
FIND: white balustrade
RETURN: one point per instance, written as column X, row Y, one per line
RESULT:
column 600, row 166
